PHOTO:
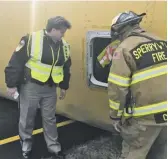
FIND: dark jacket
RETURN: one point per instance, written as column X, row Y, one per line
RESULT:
column 17, row 73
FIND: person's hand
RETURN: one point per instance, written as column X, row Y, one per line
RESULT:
column 62, row 94
column 11, row 91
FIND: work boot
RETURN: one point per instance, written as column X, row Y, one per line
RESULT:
column 25, row 155
column 60, row 155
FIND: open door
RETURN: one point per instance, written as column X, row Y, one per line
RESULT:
column 96, row 42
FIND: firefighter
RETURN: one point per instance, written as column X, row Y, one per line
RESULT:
column 40, row 64
column 137, row 85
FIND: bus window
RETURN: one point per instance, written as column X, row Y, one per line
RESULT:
column 96, row 42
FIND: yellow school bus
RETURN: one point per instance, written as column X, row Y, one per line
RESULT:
column 86, row 99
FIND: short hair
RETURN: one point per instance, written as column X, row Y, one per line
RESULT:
column 57, row 22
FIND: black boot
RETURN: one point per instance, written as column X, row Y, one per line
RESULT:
column 25, row 155
column 59, row 155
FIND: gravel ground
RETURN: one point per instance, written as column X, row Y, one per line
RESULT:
column 104, row 147
column 109, row 147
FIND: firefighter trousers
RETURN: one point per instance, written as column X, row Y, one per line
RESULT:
column 33, row 96
column 138, row 139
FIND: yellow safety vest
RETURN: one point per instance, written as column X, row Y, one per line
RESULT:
column 39, row 70
column 105, row 56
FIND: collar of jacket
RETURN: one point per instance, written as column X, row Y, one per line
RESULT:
column 129, row 29
column 50, row 39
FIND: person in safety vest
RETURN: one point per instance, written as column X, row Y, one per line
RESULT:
column 137, row 85
column 40, row 63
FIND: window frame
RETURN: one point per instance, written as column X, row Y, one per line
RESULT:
column 91, row 80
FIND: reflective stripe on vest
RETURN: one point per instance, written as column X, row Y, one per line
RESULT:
column 119, row 80
column 151, row 73
column 37, row 44
column 148, row 109
column 41, row 71
column 66, row 49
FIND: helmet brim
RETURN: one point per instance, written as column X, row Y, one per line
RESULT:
column 135, row 20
